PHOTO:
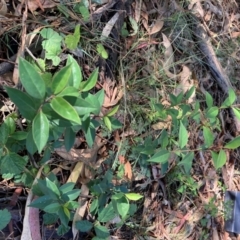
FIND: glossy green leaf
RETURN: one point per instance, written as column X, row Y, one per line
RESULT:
column 183, row 136
column 107, row 213
column 12, row 163
column 27, row 105
column 219, row 159
column 40, row 130
column 101, row 231
column 209, row 100
column 69, row 91
column 30, row 144
column 76, row 75
column 102, row 51
column 64, row 109
column 133, row 196
column 61, row 79
column 91, row 82
column 5, row 218
column 208, row 137
column 31, row 79
column 112, row 111
column 84, row 225
column 236, row 112
column 234, row 144
column 160, row 157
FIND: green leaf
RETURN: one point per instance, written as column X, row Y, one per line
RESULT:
column 65, row 110
column 62, row 229
column 73, row 194
column 30, row 144
column 72, row 40
column 209, row 100
column 133, row 196
column 69, row 91
column 236, row 112
column 230, row 99
column 10, row 124
column 67, row 187
column 106, row 214
column 102, row 51
column 84, row 12
column 112, row 111
column 31, row 80
column 219, row 159
column 94, row 206
column 52, row 207
column 40, row 130
column 183, row 135
column 84, row 225
column 100, row 96
column 61, row 79
column 101, row 231
column 12, row 163
column 5, row 218
column 41, row 202
column 19, row 135
column 208, row 137
column 234, row 144
column 69, row 138
column 76, row 74
column 134, row 25
column 121, row 206
column 186, row 162
column 26, row 104
column 160, row 157
column 4, row 133
column 49, row 218
column 52, row 188
column 64, row 217
column 107, row 123
column 212, row 112
column 91, row 82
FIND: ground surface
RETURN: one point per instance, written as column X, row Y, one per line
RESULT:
column 156, row 50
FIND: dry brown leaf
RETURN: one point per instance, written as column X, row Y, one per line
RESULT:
column 109, row 26
column 3, row 8
column 80, row 212
column 33, row 5
column 128, row 170
column 156, row 27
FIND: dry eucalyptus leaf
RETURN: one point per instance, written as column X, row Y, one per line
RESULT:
column 3, row 8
